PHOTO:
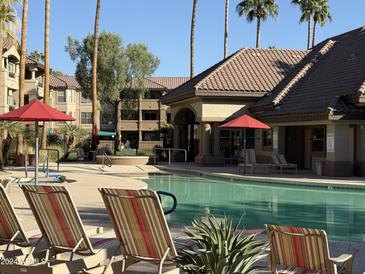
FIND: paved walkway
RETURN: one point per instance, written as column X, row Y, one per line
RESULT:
column 88, row 177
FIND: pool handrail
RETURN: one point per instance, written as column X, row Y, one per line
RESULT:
column 109, row 160
column 58, row 155
column 169, row 194
column 169, row 154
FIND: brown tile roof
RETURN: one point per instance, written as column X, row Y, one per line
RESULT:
column 322, row 83
column 8, row 43
column 248, row 71
column 64, row 82
column 163, row 83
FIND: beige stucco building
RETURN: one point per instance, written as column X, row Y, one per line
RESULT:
column 313, row 101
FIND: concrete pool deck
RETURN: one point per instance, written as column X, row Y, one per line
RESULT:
column 88, row 177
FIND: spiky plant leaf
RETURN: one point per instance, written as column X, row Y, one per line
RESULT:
column 220, row 248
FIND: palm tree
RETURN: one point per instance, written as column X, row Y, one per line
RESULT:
column 8, row 131
column 306, row 7
column 46, row 66
column 321, row 14
column 192, row 39
column 226, row 29
column 70, row 132
column 8, row 21
column 259, row 9
column 94, row 95
column 23, row 52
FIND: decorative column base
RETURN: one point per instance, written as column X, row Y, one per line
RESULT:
column 209, row 160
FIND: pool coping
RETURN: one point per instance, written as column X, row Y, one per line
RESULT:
column 325, row 182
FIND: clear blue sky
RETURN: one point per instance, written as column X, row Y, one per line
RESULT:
column 164, row 26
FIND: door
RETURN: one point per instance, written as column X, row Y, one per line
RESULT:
column 294, row 145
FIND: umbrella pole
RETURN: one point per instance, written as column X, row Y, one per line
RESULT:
column 36, row 151
column 244, row 151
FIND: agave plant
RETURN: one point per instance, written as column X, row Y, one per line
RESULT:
column 220, row 248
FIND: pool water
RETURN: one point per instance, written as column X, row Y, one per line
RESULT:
column 341, row 212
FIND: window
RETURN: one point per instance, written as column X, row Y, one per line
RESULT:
column 61, row 96
column 318, row 139
column 10, row 99
column 150, row 116
column 12, row 70
column 85, row 100
column 26, row 99
column 168, row 117
column 267, row 138
column 129, row 114
column 250, row 138
column 151, row 136
column 86, row 118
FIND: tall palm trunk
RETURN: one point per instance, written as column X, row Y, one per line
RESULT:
column 226, row 30
column 46, row 66
column 309, row 34
column 258, row 29
column 314, row 32
column 94, row 95
column 192, row 39
column 23, row 53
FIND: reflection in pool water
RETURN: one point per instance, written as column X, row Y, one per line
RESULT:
column 341, row 212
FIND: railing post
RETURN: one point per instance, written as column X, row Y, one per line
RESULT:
column 26, row 165
column 186, row 157
column 169, row 157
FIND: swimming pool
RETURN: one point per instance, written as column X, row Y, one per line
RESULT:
column 341, row 212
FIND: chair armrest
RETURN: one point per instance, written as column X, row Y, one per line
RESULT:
column 341, row 259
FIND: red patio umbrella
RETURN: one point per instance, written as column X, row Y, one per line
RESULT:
column 244, row 121
column 36, row 111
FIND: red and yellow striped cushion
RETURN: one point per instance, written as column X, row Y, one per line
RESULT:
column 139, row 222
column 57, row 217
column 307, row 252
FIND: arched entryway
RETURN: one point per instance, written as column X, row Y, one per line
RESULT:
column 186, row 132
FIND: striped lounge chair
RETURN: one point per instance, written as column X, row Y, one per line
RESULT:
column 251, row 163
column 62, row 228
column 280, row 162
column 5, row 182
column 140, row 226
column 302, row 250
column 12, row 234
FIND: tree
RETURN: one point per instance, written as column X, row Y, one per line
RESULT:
column 23, row 53
column 321, row 14
column 120, row 72
column 226, row 29
column 8, row 131
column 259, row 9
column 94, row 96
column 71, row 132
column 192, row 39
column 46, row 66
column 306, row 7
column 37, row 55
column 8, row 21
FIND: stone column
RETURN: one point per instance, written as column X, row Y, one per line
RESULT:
column 205, row 158
column 338, row 162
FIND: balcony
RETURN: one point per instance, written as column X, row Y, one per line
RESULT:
column 150, row 125
column 129, row 125
column 150, row 104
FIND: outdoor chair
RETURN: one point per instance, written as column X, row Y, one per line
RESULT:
column 5, row 182
column 140, row 226
column 68, row 248
column 280, row 162
column 251, row 163
column 303, row 250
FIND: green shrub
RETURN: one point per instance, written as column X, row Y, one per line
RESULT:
column 220, row 248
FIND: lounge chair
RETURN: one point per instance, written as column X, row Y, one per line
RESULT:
column 250, row 162
column 5, row 182
column 302, row 250
column 69, row 249
column 280, row 162
column 140, row 226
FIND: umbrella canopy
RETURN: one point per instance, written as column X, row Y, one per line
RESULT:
column 244, row 121
column 35, row 111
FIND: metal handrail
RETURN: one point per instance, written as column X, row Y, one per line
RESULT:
column 58, row 155
column 26, row 165
column 46, row 166
column 109, row 160
column 169, row 194
column 169, row 153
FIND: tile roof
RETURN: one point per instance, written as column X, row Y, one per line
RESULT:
column 64, row 82
column 163, row 83
column 322, row 82
column 246, row 71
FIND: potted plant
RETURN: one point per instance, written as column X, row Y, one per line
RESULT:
column 218, row 247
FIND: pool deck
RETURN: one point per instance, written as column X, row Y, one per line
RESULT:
column 88, row 177
column 231, row 172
